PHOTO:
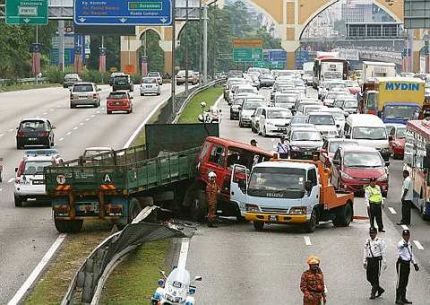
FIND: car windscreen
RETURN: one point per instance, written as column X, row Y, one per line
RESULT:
column 149, row 80
column 305, row 135
column 238, row 101
column 278, row 114
column 277, row 182
column 82, row 88
column 321, row 120
column 117, row 95
column 245, row 90
column 363, row 159
column 153, row 74
column 350, row 84
column 401, row 133
column 298, row 120
column 403, row 112
column 350, row 104
column 33, row 126
column 334, row 145
column 369, row 133
column 35, row 167
column 121, row 80
column 338, row 116
column 250, row 105
column 285, row 99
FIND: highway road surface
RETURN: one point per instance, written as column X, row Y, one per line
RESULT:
column 27, row 233
column 241, row 266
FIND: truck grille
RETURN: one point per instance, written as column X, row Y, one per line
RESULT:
column 274, row 210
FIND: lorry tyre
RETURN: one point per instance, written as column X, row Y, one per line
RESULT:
column 198, row 208
column 258, row 225
column 68, row 226
column 311, row 225
column 18, row 201
column 344, row 215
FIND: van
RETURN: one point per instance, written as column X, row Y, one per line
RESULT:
column 368, row 130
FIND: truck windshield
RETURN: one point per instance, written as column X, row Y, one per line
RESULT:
column 400, row 112
column 371, row 101
column 369, row 133
column 278, row 182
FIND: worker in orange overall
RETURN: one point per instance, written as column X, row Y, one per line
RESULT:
column 211, row 196
column 312, row 283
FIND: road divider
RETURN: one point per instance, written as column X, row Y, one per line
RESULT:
column 419, row 245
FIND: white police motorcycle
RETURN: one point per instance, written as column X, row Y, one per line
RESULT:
column 176, row 289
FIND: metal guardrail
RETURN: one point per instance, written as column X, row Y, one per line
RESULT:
column 30, row 80
column 193, row 94
column 87, row 284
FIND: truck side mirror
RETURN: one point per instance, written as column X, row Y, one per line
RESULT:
column 198, row 278
column 242, row 184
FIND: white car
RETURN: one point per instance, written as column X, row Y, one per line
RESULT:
column 249, row 105
column 94, row 154
column 150, row 85
column 324, row 123
column 274, row 121
column 176, row 289
column 29, row 178
column 339, row 117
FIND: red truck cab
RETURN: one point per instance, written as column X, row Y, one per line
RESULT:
column 219, row 155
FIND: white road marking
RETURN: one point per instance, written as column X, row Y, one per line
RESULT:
column 307, row 240
column 51, row 109
column 1, row 134
column 98, row 111
column 221, row 98
column 60, row 139
column 1, row 190
column 12, row 129
column 76, row 127
column 87, row 119
column 35, row 274
column 183, row 254
column 392, row 210
column 45, row 113
column 82, row 124
column 10, row 180
column 418, row 244
column 69, row 133
column 405, row 227
column 93, row 115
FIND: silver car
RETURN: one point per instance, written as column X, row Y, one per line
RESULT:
column 84, row 94
column 149, row 85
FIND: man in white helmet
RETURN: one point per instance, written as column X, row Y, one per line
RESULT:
column 211, row 196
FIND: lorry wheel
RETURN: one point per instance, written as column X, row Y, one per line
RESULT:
column 344, row 216
column 68, row 226
column 312, row 223
column 18, row 201
column 258, row 225
column 198, row 208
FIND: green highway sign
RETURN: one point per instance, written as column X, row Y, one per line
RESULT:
column 33, row 12
column 247, row 54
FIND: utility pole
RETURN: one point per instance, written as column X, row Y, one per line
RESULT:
column 61, row 44
column 186, row 48
column 205, row 44
column 173, row 91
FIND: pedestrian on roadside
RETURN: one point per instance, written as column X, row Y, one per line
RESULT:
column 282, row 149
column 374, row 259
column 403, row 267
column 254, row 142
column 211, row 197
column 374, row 200
column 312, row 283
column 407, row 197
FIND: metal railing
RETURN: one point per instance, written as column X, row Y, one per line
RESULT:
column 88, row 282
column 7, row 82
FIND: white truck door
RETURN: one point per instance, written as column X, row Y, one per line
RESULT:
column 238, row 186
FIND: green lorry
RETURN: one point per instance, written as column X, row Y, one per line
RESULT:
column 116, row 186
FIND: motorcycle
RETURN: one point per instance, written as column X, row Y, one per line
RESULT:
column 175, row 289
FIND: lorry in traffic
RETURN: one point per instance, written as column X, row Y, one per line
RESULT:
column 290, row 192
column 328, row 66
column 372, row 69
column 394, row 99
column 172, row 173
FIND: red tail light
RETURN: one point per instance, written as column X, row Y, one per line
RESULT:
column 20, row 133
column 43, row 134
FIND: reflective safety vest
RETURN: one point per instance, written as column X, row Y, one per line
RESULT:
column 375, row 195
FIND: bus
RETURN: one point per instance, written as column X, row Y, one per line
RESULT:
column 328, row 66
column 417, row 162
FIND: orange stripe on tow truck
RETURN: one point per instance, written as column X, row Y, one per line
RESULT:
column 108, row 187
column 63, row 187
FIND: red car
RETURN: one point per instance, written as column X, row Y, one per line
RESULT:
column 119, row 101
column 397, row 141
column 353, row 166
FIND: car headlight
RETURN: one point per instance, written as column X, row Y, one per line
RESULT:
column 270, row 123
column 295, row 148
column 345, row 176
column 382, row 178
column 252, row 208
column 298, row 210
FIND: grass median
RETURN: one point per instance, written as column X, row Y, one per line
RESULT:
column 193, row 109
column 19, row 87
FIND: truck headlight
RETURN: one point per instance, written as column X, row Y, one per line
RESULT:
column 252, row 208
column 298, row 210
